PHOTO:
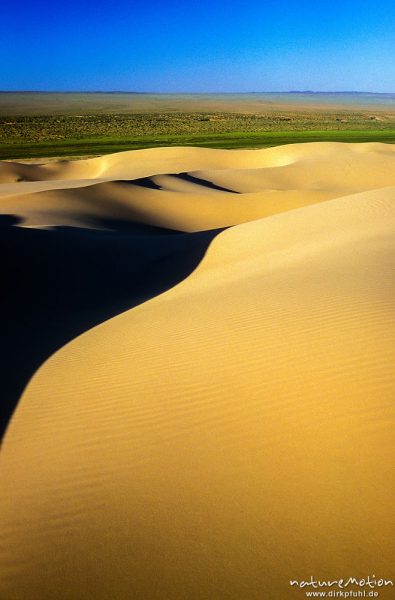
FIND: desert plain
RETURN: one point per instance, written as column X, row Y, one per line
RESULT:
column 198, row 372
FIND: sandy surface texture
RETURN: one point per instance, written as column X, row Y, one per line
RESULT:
column 198, row 373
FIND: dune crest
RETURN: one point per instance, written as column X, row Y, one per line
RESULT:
column 230, row 430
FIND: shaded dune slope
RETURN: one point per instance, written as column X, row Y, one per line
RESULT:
column 210, row 411
column 59, row 282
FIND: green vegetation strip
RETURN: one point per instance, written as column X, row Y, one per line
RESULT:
column 106, row 145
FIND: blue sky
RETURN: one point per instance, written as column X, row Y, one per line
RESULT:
column 198, row 46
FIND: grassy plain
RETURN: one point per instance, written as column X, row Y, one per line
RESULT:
column 48, row 125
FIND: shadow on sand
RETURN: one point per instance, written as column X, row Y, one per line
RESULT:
column 148, row 182
column 59, row 282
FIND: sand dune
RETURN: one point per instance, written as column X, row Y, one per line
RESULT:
column 140, row 163
column 350, row 159
column 207, row 414
column 140, row 186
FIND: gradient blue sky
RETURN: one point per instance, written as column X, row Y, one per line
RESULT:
column 219, row 46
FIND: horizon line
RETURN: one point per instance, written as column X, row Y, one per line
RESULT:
column 191, row 93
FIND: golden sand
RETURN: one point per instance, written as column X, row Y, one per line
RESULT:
column 234, row 432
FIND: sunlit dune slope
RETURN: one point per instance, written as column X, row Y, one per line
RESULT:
column 234, row 432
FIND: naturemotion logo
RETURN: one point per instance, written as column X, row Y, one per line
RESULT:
column 366, row 587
